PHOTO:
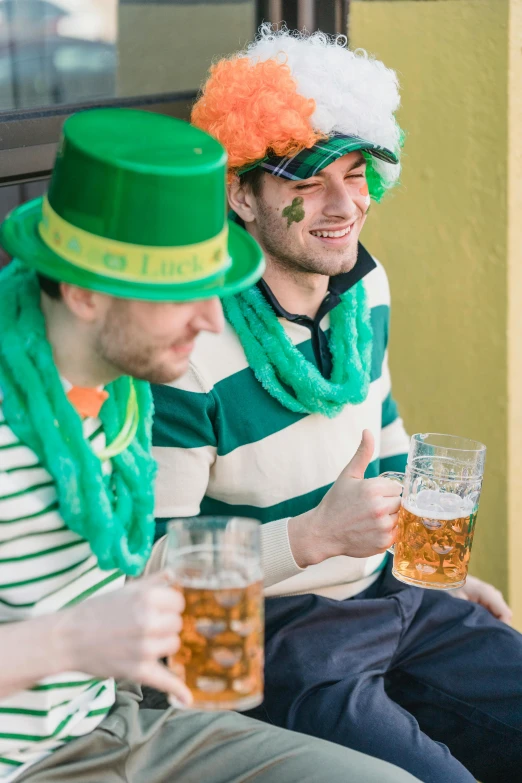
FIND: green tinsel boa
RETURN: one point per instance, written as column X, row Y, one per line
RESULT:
column 115, row 513
column 282, row 369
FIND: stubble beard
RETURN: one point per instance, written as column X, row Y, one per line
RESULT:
column 123, row 349
column 276, row 242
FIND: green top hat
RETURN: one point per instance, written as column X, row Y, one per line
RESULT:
column 136, row 208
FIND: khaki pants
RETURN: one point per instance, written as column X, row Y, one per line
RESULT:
column 160, row 746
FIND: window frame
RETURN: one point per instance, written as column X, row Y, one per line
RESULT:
column 29, row 138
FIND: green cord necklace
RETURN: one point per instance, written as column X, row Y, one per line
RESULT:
column 127, row 433
column 114, row 513
column 282, row 369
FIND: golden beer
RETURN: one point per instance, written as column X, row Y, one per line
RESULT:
column 216, row 563
column 433, row 544
column 440, row 498
column 221, row 654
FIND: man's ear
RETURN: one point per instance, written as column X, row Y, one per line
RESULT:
column 86, row 305
column 242, row 200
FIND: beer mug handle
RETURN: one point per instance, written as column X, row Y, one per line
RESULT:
column 399, row 477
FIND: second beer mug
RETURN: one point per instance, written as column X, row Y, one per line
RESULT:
column 442, row 486
column 216, row 564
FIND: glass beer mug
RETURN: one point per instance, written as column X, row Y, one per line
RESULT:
column 216, row 563
column 441, row 492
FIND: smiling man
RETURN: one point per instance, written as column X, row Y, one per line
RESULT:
column 106, row 292
column 288, row 417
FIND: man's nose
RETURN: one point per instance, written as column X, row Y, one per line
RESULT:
column 339, row 202
column 209, row 316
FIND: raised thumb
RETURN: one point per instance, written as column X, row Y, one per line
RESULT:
column 362, row 457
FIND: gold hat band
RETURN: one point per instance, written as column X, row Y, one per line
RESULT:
column 136, row 263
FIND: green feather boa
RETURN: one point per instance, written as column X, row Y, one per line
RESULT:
column 282, row 369
column 113, row 513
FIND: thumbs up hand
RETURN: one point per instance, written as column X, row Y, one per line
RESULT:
column 356, row 468
column 356, row 517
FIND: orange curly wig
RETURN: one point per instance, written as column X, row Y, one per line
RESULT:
column 254, row 109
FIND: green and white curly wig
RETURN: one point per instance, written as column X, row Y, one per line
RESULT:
column 354, row 93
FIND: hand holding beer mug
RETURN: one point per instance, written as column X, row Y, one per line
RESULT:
column 441, row 492
column 216, row 565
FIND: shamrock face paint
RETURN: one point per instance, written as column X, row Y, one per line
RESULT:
column 292, row 218
column 294, row 212
column 364, row 191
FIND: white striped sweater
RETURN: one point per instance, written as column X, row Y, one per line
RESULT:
column 225, row 446
column 44, row 567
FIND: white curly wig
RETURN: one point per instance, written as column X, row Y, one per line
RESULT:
column 354, row 93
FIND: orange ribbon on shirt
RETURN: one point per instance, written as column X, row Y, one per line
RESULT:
column 87, row 401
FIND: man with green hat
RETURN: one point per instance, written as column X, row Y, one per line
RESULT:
column 288, row 417
column 118, row 269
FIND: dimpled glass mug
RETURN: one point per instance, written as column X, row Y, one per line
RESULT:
column 216, row 564
column 441, row 492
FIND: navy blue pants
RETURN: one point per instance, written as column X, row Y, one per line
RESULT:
column 416, row 677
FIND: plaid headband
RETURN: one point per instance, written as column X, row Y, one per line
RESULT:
column 309, row 162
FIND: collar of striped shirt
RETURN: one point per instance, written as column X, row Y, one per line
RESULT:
column 338, row 284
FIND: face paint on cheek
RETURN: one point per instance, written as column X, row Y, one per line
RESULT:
column 364, row 191
column 294, row 212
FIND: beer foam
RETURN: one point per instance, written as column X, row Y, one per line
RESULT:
column 434, row 504
column 204, row 567
column 227, row 580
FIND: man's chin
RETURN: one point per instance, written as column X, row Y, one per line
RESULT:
column 333, row 266
column 170, row 372
column 331, row 262
column 166, row 373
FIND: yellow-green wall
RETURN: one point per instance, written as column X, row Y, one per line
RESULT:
column 452, row 245
column 515, row 305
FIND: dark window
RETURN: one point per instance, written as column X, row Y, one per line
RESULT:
column 59, row 57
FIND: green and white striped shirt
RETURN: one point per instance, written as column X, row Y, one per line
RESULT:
column 225, row 446
column 44, row 567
